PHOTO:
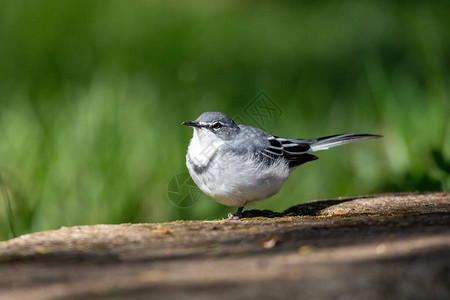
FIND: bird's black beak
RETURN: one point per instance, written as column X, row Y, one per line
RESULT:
column 191, row 124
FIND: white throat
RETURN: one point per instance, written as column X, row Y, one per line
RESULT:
column 203, row 146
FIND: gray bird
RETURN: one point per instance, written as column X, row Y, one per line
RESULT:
column 238, row 164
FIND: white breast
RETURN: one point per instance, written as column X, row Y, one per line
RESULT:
column 202, row 148
column 231, row 179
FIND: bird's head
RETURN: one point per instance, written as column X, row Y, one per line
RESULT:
column 213, row 125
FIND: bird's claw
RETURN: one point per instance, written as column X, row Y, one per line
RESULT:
column 234, row 216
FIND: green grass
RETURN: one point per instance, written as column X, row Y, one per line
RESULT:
column 92, row 96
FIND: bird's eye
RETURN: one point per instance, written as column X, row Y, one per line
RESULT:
column 216, row 126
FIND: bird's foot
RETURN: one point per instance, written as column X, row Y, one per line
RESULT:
column 234, row 216
column 237, row 215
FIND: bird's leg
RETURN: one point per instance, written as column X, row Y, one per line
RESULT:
column 237, row 215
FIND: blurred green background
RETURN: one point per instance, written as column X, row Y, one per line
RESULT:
column 93, row 93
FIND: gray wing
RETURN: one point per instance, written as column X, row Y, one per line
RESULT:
column 272, row 148
column 298, row 151
column 295, row 152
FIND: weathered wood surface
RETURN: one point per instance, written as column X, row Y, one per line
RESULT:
column 373, row 247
